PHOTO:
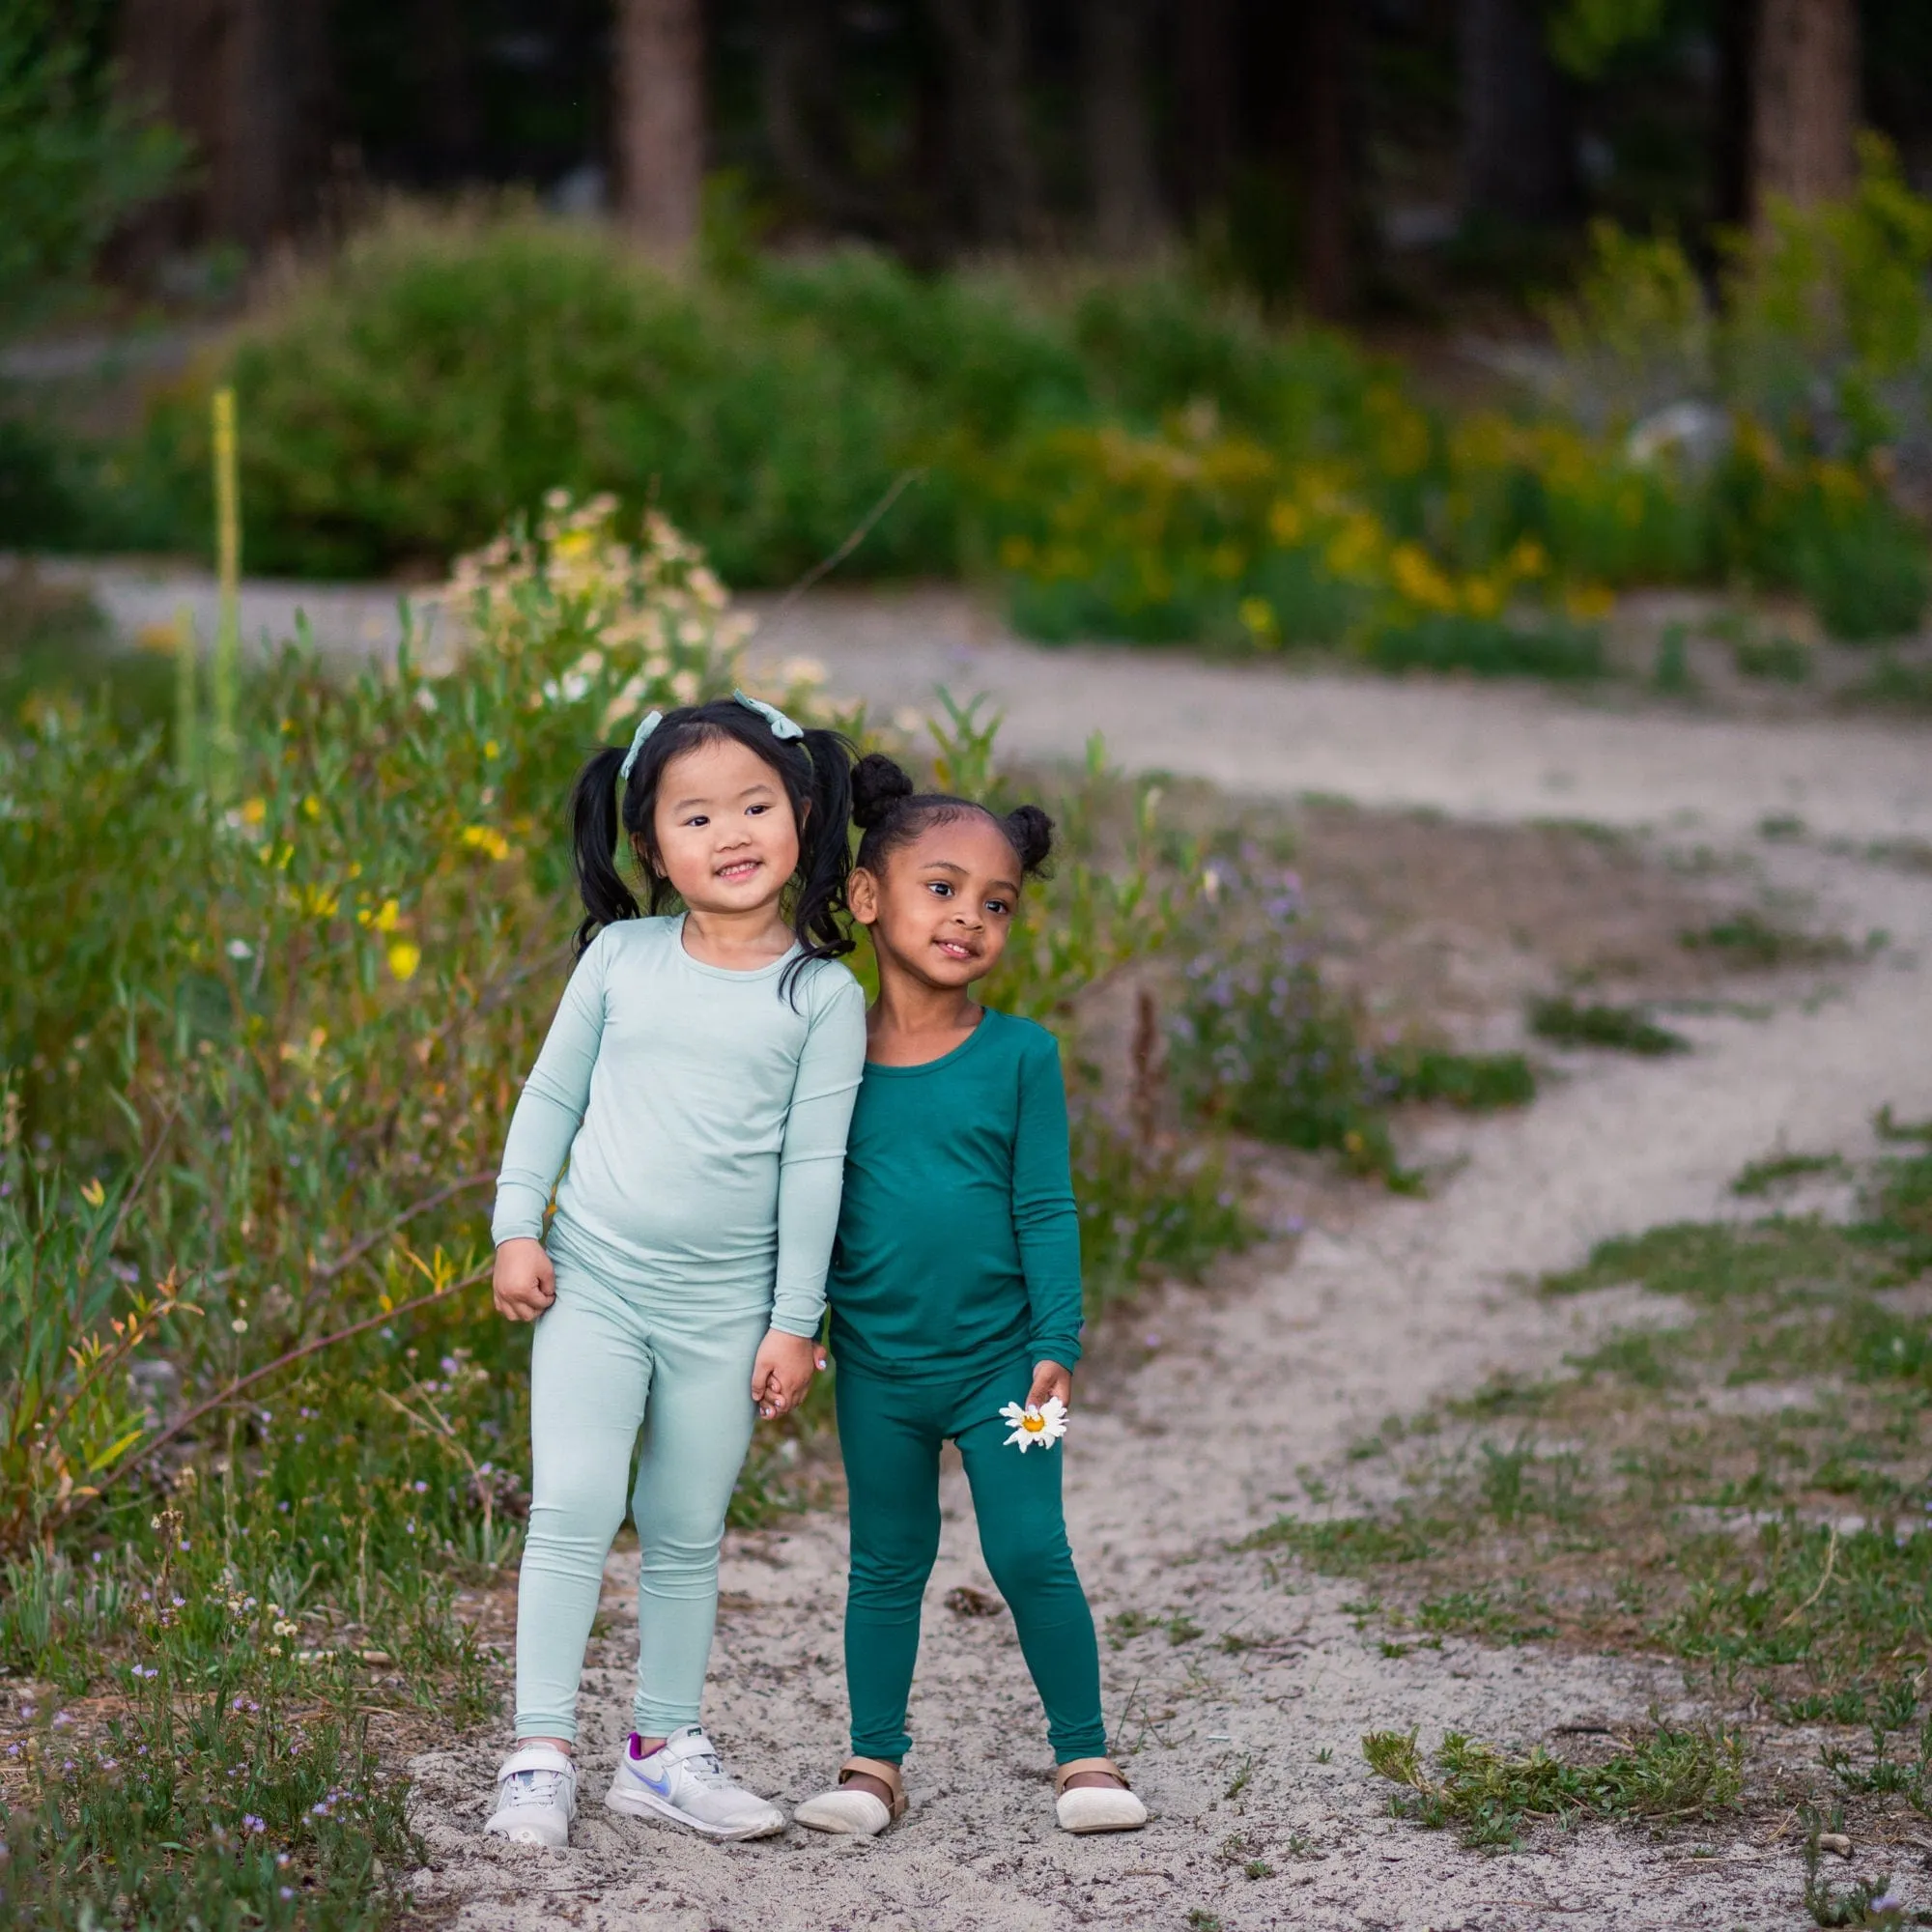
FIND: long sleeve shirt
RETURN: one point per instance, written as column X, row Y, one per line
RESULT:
column 702, row 1115
column 958, row 1240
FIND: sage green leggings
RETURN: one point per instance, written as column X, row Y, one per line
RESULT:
column 888, row 1434
column 604, row 1365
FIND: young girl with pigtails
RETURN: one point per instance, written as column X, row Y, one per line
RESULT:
column 695, row 1092
column 956, row 1296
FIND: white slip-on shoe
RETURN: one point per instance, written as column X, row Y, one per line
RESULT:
column 536, row 1798
column 1096, row 1807
column 683, row 1781
column 858, row 1814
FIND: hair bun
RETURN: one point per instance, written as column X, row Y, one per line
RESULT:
column 1032, row 832
column 878, row 784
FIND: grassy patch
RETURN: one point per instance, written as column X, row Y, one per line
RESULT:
column 1743, row 1490
column 1774, row 659
column 1749, row 940
column 1777, row 1170
column 1623, row 1029
column 1476, row 1082
column 1346, row 1546
column 1490, row 1796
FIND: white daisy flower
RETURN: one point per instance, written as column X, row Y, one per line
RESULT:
column 1044, row 1425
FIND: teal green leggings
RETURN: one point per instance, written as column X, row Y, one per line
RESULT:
column 888, row 1434
column 603, row 1366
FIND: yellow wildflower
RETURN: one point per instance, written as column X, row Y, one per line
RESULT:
column 486, row 840
column 404, row 956
column 1285, row 522
column 1588, row 602
column 1015, row 553
column 93, row 1193
column 1257, row 619
column 254, row 810
column 1418, row 578
column 383, row 920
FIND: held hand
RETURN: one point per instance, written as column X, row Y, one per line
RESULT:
column 524, row 1283
column 1049, row 1379
column 783, row 1372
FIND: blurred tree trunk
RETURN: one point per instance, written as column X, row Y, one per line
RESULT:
column 1327, row 190
column 1120, row 146
column 985, row 44
column 1516, row 151
column 1804, row 86
column 799, row 81
column 1731, row 115
column 660, row 124
column 1207, row 102
column 449, row 108
column 250, row 82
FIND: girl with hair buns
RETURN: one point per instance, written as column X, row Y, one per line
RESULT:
column 956, row 1295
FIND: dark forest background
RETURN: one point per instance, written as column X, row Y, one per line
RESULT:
column 1349, row 156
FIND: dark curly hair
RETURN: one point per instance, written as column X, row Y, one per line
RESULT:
column 891, row 813
column 816, row 772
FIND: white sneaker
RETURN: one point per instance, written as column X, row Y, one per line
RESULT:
column 536, row 1798
column 683, row 1781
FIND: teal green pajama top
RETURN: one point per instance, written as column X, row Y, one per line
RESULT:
column 958, row 1241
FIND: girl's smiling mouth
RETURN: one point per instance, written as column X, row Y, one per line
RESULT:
column 955, row 949
column 738, row 870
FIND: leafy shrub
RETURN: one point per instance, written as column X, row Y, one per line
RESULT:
column 1261, row 1043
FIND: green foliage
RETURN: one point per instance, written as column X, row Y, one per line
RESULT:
column 73, row 161
column 1346, row 1546
column 1491, row 1795
column 1748, row 939
column 1623, row 1029
column 1260, row 1043
column 1479, row 1083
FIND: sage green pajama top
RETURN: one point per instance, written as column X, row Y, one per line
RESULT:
column 703, row 1117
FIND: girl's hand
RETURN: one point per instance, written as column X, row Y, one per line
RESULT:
column 524, row 1283
column 783, row 1372
column 1050, row 1378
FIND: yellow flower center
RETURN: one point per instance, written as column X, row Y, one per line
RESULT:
column 1033, row 1422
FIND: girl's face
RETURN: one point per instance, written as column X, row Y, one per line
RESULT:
column 723, row 829
column 945, row 904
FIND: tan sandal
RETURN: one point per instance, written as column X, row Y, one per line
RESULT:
column 1096, row 1807
column 860, row 1814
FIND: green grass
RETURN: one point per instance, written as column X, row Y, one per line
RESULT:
column 1748, row 939
column 1346, row 1546
column 1475, row 1082
column 1766, row 1175
column 1773, row 660
column 1490, row 1796
column 1623, row 1029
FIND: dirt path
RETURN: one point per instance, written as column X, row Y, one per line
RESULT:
column 1297, row 1354
column 1510, row 752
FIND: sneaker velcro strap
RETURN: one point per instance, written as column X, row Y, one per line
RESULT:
column 1061, row 1772
column 535, row 1757
column 885, row 1770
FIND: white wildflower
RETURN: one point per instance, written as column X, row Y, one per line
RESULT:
column 1044, row 1425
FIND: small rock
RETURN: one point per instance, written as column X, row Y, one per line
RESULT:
column 1834, row 1841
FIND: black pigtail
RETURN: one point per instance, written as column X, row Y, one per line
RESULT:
column 594, row 832
column 824, row 852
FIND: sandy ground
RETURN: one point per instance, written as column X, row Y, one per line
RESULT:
column 1198, row 1434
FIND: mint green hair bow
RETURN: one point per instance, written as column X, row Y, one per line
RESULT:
column 638, row 738
column 781, row 726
